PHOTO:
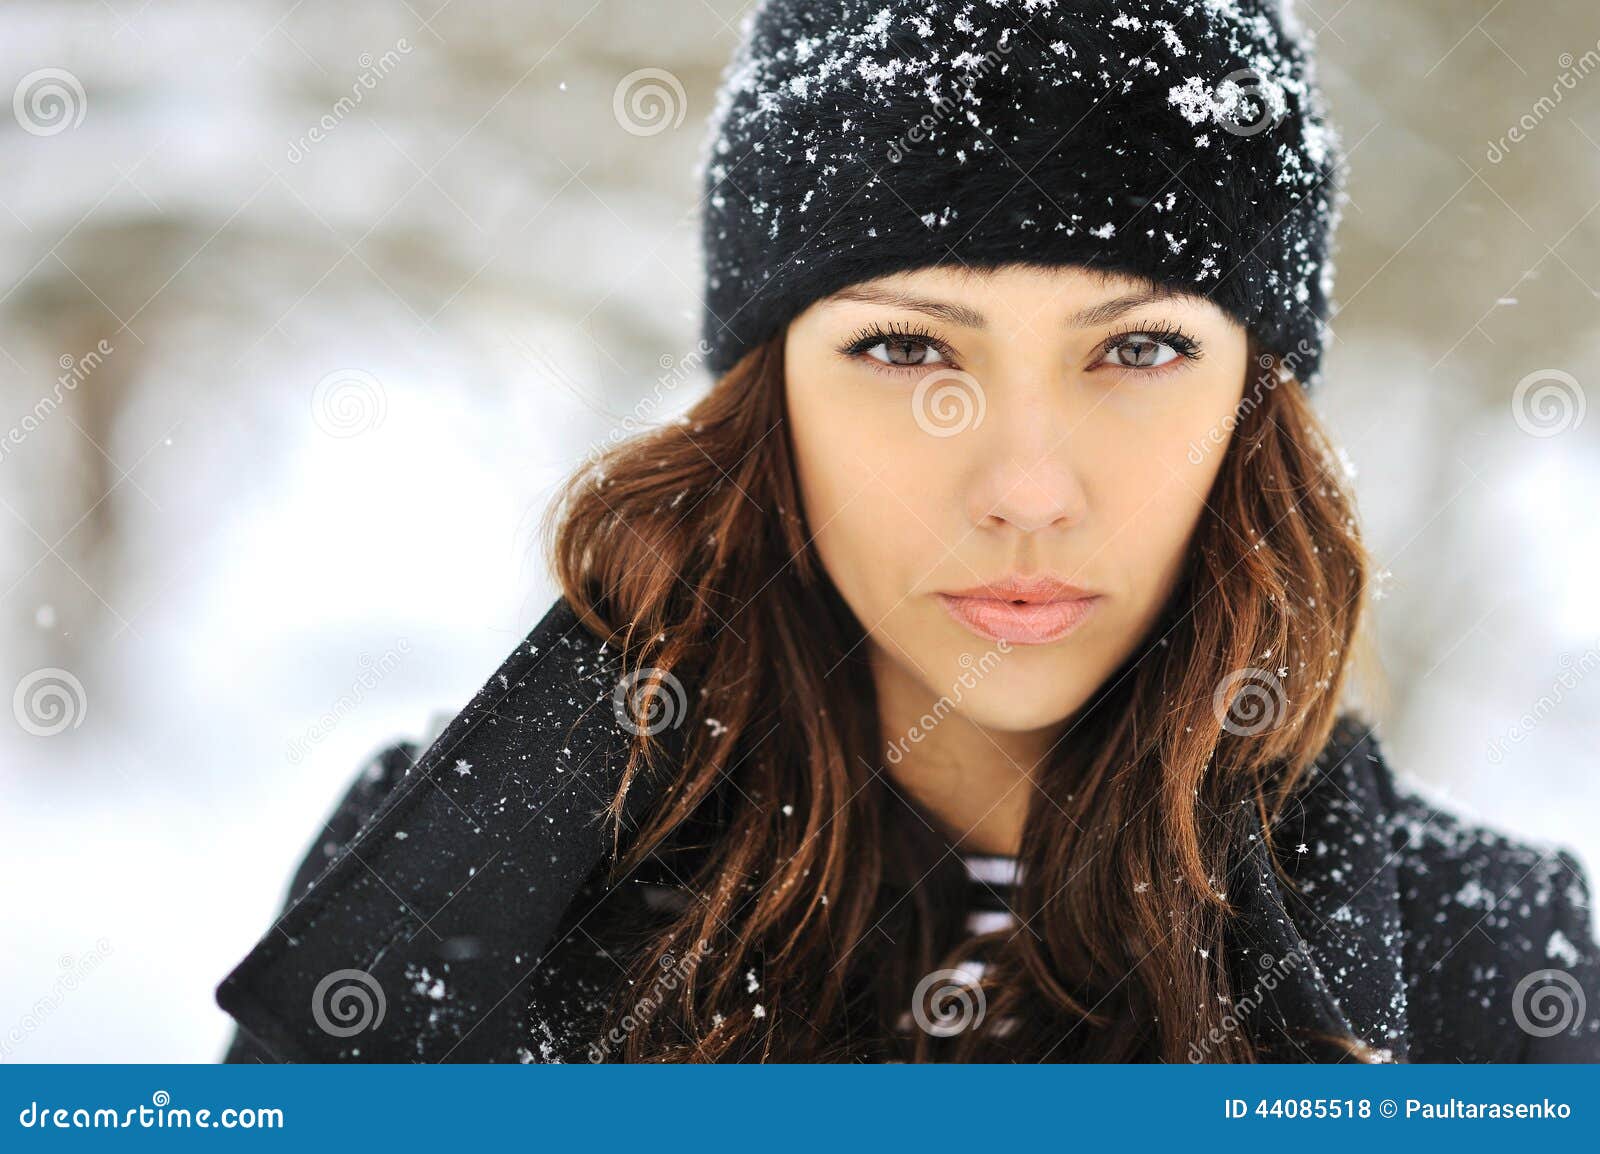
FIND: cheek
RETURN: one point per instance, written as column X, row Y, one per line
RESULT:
column 1152, row 479
column 871, row 501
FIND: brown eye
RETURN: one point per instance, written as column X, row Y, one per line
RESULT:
column 1141, row 351
column 903, row 352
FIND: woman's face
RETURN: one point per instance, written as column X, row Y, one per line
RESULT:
column 1002, row 471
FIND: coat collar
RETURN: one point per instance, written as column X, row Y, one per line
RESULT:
column 1336, row 923
column 414, row 944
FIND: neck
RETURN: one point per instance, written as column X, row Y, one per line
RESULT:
column 975, row 783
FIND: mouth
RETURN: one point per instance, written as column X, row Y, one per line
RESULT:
column 1021, row 610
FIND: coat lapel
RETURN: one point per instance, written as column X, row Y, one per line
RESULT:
column 1336, row 924
column 414, row 944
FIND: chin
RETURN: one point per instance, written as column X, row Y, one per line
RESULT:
column 1017, row 710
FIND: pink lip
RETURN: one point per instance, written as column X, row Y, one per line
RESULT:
column 1038, row 588
column 1021, row 610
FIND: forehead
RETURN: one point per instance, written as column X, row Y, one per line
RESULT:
column 959, row 292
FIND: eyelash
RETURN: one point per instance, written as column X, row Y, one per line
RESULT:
column 873, row 335
column 1163, row 332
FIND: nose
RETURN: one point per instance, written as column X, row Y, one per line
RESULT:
column 1025, row 477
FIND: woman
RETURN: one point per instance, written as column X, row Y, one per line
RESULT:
column 962, row 679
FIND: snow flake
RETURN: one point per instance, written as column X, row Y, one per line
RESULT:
column 1473, row 893
column 1193, row 100
column 425, row 985
column 1560, row 948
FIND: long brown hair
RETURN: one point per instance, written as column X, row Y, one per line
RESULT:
column 816, row 908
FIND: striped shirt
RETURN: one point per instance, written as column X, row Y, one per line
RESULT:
column 950, row 1002
column 946, row 1002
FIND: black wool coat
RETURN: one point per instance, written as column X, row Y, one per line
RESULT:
column 445, row 911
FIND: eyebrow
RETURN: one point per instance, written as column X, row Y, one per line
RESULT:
column 1095, row 315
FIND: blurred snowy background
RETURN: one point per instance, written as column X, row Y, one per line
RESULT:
column 306, row 307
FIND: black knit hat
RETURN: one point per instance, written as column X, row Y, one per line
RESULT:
column 1178, row 140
